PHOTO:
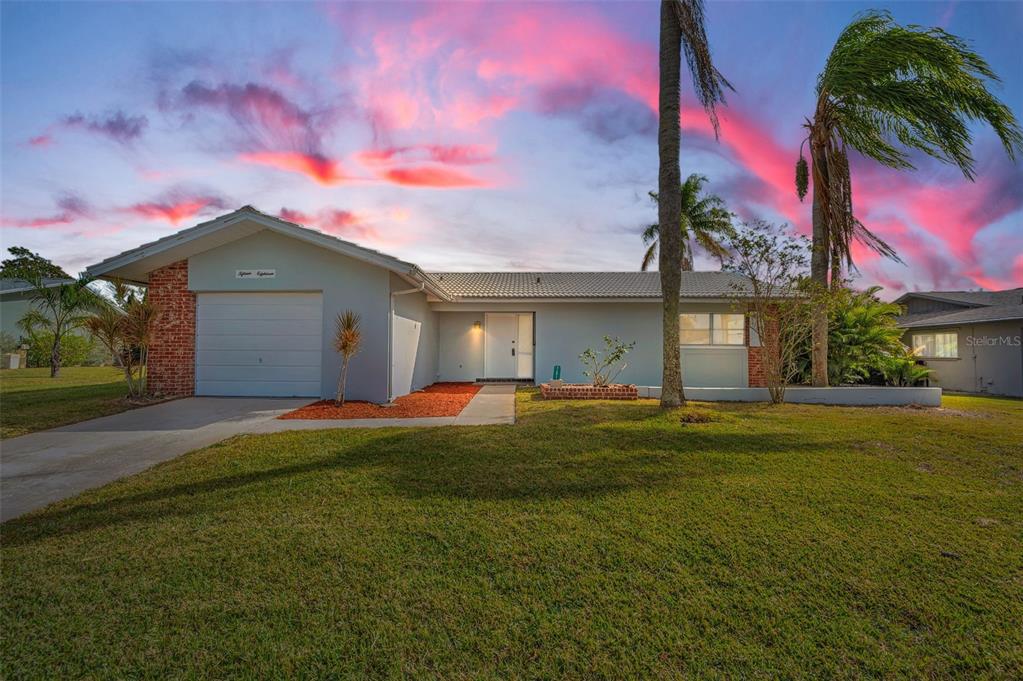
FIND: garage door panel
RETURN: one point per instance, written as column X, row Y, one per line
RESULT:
column 282, row 358
column 258, row 373
column 265, row 344
column 258, row 327
column 715, row 367
column 258, row 311
column 259, row 388
column 234, row 342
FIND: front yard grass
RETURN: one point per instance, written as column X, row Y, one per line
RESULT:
column 30, row 400
column 590, row 540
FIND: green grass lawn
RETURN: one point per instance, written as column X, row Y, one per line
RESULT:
column 589, row 540
column 30, row 400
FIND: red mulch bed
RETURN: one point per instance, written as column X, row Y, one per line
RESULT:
column 439, row 399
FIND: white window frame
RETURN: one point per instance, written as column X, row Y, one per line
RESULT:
column 920, row 343
column 711, row 330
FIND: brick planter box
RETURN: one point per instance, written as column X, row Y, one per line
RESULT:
column 581, row 391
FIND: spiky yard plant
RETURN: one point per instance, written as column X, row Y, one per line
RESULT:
column 705, row 221
column 347, row 339
column 885, row 90
column 681, row 30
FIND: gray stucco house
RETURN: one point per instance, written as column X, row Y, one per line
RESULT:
column 248, row 306
column 16, row 300
column 971, row 339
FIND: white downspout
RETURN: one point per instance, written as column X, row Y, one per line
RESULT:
column 390, row 336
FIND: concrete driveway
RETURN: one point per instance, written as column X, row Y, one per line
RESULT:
column 41, row 468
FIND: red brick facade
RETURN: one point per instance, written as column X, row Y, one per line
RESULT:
column 579, row 391
column 756, row 369
column 172, row 351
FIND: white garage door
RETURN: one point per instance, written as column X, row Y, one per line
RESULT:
column 258, row 344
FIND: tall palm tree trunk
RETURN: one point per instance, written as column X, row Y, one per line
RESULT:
column 669, row 206
column 55, row 357
column 819, row 261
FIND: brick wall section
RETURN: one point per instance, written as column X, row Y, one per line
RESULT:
column 579, row 391
column 755, row 362
column 172, row 352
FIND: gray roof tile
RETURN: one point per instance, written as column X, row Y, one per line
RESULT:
column 972, row 315
column 584, row 284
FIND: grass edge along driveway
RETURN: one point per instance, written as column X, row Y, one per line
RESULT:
column 589, row 540
column 31, row 401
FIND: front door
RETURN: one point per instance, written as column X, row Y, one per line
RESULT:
column 508, row 345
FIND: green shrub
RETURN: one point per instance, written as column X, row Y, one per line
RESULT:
column 75, row 350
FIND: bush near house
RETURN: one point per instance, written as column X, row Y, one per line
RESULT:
column 76, row 349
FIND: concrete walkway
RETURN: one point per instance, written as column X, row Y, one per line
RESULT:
column 40, row 468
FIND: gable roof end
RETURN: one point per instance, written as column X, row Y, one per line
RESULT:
column 244, row 222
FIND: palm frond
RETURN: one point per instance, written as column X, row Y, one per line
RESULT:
column 708, row 82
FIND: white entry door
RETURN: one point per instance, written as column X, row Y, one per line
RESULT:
column 258, row 344
column 508, row 345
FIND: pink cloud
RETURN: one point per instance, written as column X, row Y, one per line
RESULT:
column 43, row 140
column 323, row 170
column 341, row 223
column 461, row 65
column 177, row 205
column 70, row 208
column 436, row 177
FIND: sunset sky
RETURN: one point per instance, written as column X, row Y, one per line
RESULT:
column 459, row 135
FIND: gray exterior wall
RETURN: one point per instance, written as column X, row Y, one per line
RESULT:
column 413, row 306
column 995, row 368
column 563, row 330
column 344, row 282
column 12, row 308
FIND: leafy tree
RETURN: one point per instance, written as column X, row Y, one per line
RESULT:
column 777, row 298
column 29, row 266
column 887, row 90
column 704, row 221
column 58, row 310
column 681, row 30
column 347, row 340
column 75, row 349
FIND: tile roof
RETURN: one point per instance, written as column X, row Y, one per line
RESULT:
column 1008, row 297
column 970, row 315
column 584, row 284
column 19, row 285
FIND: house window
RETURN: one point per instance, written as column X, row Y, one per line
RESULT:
column 710, row 329
column 937, row 345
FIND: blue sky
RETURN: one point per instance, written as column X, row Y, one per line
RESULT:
column 460, row 135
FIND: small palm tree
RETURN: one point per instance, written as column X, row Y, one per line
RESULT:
column 704, row 221
column 347, row 339
column 125, row 326
column 681, row 31
column 58, row 310
column 887, row 88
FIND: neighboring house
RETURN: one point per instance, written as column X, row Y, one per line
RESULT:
column 248, row 307
column 16, row 300
column 971, row 339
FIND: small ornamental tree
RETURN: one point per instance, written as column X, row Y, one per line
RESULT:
column 604, row 367
column 57, row 310
column 778, row 298
column 347, row 339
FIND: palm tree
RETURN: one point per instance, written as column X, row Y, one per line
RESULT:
column 58, row 310
column 704, row 220
column 887, row 89
column 125, row 325
column 681, row 30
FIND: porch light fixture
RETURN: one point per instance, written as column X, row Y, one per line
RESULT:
column 476, row 325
